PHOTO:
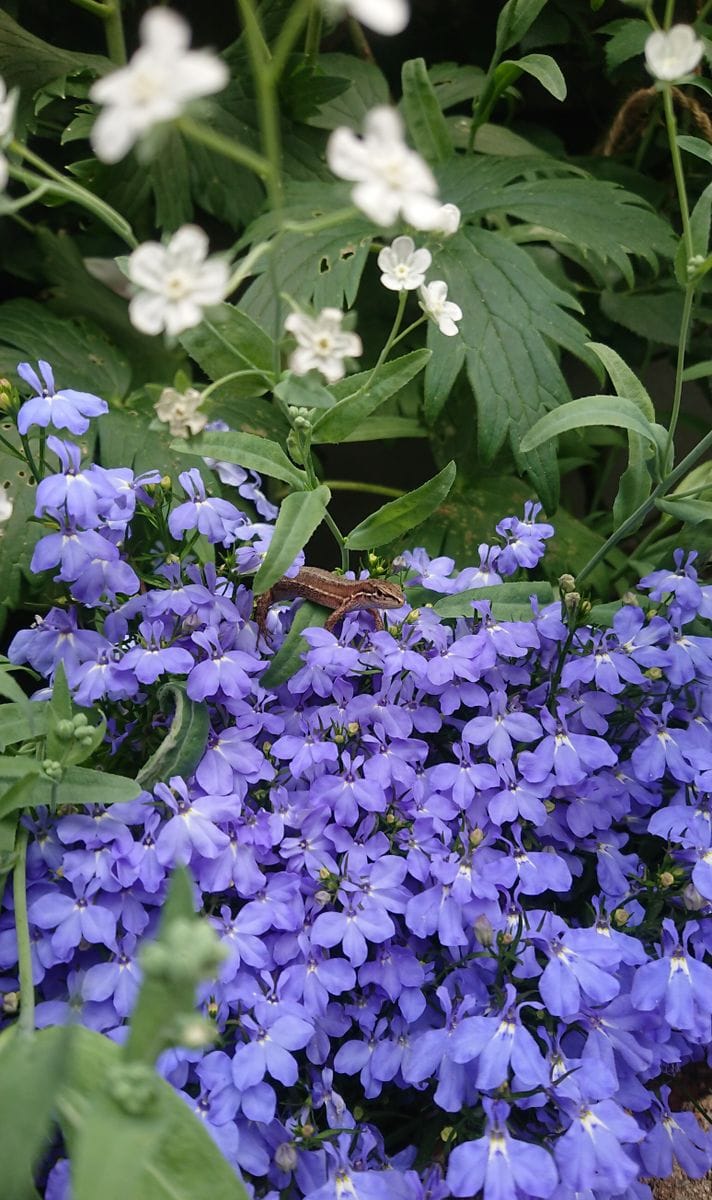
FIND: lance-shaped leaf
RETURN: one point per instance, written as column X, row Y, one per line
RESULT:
column 31, row 1072
column 227, row 341
column 514, row 20
column 424, row 117
column 77, row 786
column 592, row 410
column 288, row 658
column 357, row 398
column 519, row 594
column 394, row 519
column 245, row 450
column 184, row 744
column 299, row 516
column 635, row 482
column 541, row 67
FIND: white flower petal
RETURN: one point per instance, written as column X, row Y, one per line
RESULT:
column 164, row 32
column 383, row 16
column 147, row 266
column 672, row 53
column 188, row 246
column 147, row 312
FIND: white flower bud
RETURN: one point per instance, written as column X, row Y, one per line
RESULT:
column 672, row 53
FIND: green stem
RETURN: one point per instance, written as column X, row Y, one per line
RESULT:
column 409, row 329
column 704, row 10
column 669, row 13
column 29, row 459
column 26, row 1021
column 212, row 387
column 114, row 32
column 293, row 24
column 223, row 145
column 267, row 109
column 680, row 366
column 64, row 186
column 340, row 540
column 671, row 125
column 368, row 489
column 312, row 41
column 361, row 44
column 43, row 445
column 96, row 7
column 390, row 342
column 337, row 217
column 635, row 520
column 11, row 449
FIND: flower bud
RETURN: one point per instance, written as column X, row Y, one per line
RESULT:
column 666, row 879
column 476, row 836
column 10, row 1004
column 653, row 672
column 484, row 932
column 572, row 601
column 52, row 769
column 567, row 583
column 630, row 598
column 194, row 1032
column 621, row 916
column 285, row 1156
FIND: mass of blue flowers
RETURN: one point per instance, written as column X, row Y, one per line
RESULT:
column 462, row 868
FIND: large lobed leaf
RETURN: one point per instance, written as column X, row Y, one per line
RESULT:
column 511, row 315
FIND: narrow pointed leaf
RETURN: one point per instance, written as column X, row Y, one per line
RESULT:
column 424, row 117
column 357, row 398
column 245, row 450
column 460, row 604
column 184, row 744
column 541, row 67
column 299, row 516
column 288, row 658
column 394, row 519
column 587, row 411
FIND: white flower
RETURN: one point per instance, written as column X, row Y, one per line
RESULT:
column 447, row 220
column 391, row 179
column 322, row 344
column 435, row 304
column 158, row 82
column 383, row 16
column 8, row 102
column 6, row 507
column 176, row 282
column 672, row 53
column 179, row 410
column 403, row 266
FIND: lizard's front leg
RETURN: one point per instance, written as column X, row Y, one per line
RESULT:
column 352, row 604
column 262, row 607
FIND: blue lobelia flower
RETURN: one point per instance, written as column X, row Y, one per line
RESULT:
column 65, row 409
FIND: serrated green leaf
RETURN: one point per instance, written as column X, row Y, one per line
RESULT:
column 423, row 116
column 82, row 357
column 541, row 67
column 592, row 410
column 288, row 658
column 399, row 516
column 357, row 398
column 300, row 514
column 368, row 87
column 511, row 312
column 460, row 604
column 183, row 745
column 169, row 169
column 654, row 316
column 228, row 341
column 29, row 63
column 440, row 376
column 245, row 450
column 626, row 40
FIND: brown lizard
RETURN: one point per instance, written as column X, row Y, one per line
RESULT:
column 332, row 591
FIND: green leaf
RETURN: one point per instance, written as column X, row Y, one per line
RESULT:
column 184, row 1163
column 9, row 688
column 368, row 87
column 31, row 1074
column 541, row 67
column 300, row 514
column 627, row 40
column 80, row 354
column 460, row 604
column 691, row 512
column 635, row 482
column 440, row 376
column 79, row 786
column 259, row 417
column 183, row 745
column 699, row 370
column 169, row 168
column 60, row 709
column 228, row 341
column 511, row 313
column 697, row 146
column 245, row 450
column 654, row 316
column 8, row 855
column 515, row 19
column 423, row 115
column 288, row 658
column 453, row 83
column 307, row 87
column 377, row 429
column 591, row 410
column 304, row 391
column 399, row 516
column 29, row 63
column 357, row 398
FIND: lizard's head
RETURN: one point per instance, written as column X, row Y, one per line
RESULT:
column 386, row 595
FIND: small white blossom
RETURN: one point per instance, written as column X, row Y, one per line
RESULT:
column 8, row 102
column 672, row 53
column 383, row 16
column 322, row 345
column 403, row 266
column 180, row 411
column 176, row 282
column 6, row 507
column 447, row 220
column 159, row 81
column 435, row 304
column 391, row 179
